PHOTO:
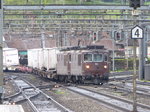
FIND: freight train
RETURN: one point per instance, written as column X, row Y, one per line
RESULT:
column 71, row 64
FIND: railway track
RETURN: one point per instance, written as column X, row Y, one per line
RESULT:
column 140, row 87
column 115, row 102
column 124, row 77
column 14, row 99
column 108, row 101
column 141, row 82
column 39, row 101
column 127, row 89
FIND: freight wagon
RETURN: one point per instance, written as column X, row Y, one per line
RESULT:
column 43, row 61
column 10, row 59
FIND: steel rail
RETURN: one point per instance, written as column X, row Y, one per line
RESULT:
column 118, row 87
column 48, row 97
column 112, row 101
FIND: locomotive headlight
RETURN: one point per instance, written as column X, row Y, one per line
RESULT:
column 87, row 66
column 105, row 66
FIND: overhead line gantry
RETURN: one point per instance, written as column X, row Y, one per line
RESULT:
column 71, row 7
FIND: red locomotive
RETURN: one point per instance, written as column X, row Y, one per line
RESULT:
column 80, row 64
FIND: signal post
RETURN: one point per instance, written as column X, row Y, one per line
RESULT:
column 1, row 51
column 136, row 33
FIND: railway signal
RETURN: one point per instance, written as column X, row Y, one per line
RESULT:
column 95, row 36
column 134, row 3
column 0, row 4
column 117, row 36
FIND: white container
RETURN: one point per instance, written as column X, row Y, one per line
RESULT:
column 35, row 58
column 10, row 58
column 46, row 57
column 50, row 57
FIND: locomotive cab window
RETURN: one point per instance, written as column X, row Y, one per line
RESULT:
column 97, row 57
column 105, row 58
column 87, row 57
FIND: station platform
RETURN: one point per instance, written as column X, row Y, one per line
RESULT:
column 11, row 108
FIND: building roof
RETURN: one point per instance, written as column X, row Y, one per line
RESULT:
column 27, row 43
column 108, row 43
column 24, row 43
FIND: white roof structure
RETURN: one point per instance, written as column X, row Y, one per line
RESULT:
column 4, row 43
column 11, row 108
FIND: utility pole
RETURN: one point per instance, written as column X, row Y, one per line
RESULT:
column 42, row 39
column 141, row 59
column 136, row 33
column 1, row 50
column 134, row 78
column 113, row 52
column 42, row 29
column 127, row 51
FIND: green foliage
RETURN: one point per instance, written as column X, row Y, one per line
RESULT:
column 144, row 81
column 47, row 2
column 147, row 3
column 148, row 61
column 121, row 64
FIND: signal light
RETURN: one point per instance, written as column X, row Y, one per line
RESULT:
column 94, row 36
column 117, row 36
column 134, row 3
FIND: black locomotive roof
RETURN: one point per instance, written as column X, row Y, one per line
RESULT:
column 91, row 47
